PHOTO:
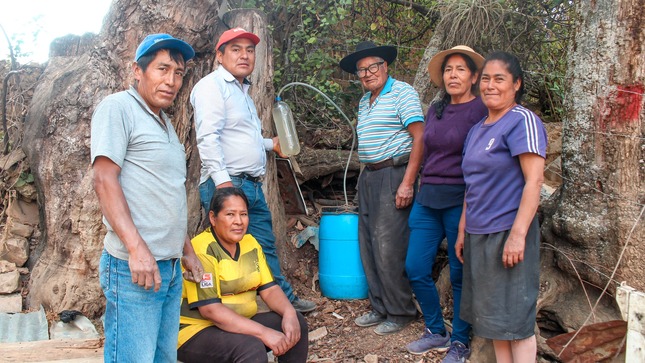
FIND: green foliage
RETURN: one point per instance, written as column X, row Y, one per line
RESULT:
column 310, row 38
column 25, row 178
column 536, row 31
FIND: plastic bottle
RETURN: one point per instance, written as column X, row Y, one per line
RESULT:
column 283, row 119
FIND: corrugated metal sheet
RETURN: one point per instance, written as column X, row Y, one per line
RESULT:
column 23, row 327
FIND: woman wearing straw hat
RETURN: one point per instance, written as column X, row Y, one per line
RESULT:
column 437, row 209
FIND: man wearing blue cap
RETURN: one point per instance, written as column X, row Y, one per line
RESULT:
column 139, row 173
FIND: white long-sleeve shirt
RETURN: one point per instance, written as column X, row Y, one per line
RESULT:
column 229, row 131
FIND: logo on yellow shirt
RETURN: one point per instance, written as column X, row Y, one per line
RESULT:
column 207, row 280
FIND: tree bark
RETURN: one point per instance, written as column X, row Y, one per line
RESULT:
column 422, row 83
column 57, row 141
column 316, row 163
column 598, row 210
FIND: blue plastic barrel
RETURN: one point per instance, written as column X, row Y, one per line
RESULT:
column 340, row 270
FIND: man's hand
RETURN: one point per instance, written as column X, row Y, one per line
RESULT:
column 193, row 269
column 277, row 148
column 227, row 184
column 143, row 268
column 404, row 195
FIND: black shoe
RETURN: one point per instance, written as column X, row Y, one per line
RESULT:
column 303, row 306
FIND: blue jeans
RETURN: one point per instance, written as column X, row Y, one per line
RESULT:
column 260, row 225
column 140, row 325
column 428, row 228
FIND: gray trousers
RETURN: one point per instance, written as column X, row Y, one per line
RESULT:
column 383, row 236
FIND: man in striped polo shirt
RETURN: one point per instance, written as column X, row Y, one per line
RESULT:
column 390, row 144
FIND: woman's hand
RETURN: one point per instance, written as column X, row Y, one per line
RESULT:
column 513, row 250
column 459, row 247
column 291, row 328
column 461, row 235
column 276, row 341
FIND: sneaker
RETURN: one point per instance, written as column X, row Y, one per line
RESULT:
column 302, row 305
column 369, row 319
column 429, row 341
column 389, row 327
column 457, row 353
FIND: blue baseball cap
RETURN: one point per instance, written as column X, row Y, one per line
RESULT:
column 154, row 42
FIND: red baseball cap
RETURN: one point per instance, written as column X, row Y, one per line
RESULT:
column 235, row 33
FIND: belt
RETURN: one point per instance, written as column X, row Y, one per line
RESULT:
column 380, row 165
column 246, row 176
column 395, row 161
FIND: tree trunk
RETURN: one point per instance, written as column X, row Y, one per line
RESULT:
column 422, row 83
column 57, row 141
column 598, row 210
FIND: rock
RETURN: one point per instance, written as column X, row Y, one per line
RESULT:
column 9, row 160
column 371, row 358
column 27, row 191
column 6, row 266
column 553, row 172
column 24, row 212
column 16, row 250
column 9, row 282
column 554, row 146
column 546, row 192
column 317, row 334
column 482, row 350
column 18, row 229
column 11, row 303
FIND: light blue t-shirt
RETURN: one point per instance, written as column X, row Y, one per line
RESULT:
column 492, row 171
column 382, row 126
column 153, row 172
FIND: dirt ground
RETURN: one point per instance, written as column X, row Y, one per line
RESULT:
column 345, row 342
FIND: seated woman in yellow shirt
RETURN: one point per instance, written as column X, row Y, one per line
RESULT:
column 219, row 320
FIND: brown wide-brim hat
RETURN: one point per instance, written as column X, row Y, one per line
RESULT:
column 368, row 49
column 434, row 67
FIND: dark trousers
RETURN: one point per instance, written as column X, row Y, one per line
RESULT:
column 216, row 345
column 383, row 235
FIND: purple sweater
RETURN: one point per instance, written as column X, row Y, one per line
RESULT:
column 443, row 141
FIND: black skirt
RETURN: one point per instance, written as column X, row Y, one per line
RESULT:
column 499, row 302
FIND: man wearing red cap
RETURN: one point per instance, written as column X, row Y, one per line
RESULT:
column 230, row 142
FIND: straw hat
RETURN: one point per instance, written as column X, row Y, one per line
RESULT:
column 434, row 67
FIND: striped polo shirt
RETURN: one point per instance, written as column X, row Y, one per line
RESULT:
column 381, row 128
